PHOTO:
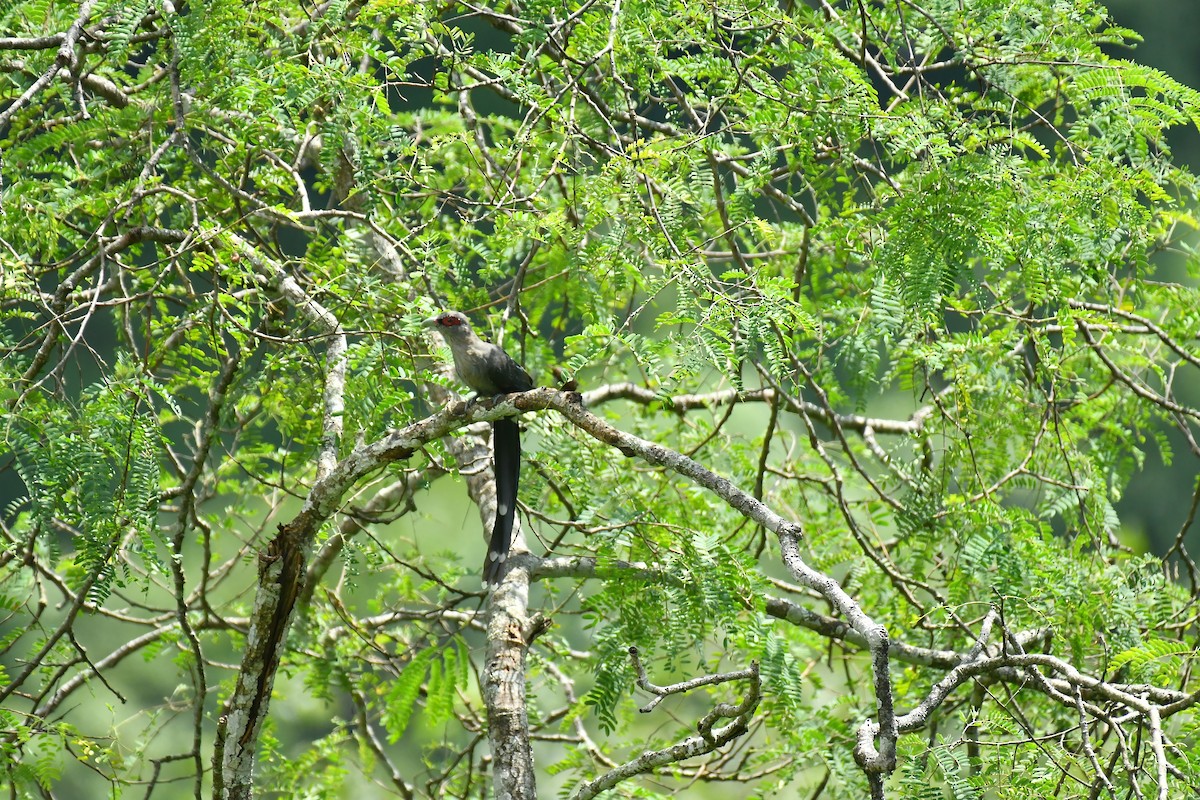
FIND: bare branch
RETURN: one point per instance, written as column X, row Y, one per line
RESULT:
column 709, row 739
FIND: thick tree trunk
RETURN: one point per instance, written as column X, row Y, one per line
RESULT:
column 504, row 660
column 504, row 689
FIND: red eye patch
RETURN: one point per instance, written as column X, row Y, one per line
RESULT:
column 449, row 321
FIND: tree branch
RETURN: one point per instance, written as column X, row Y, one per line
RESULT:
column 709, row 739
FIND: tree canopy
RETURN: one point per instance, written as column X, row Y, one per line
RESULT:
column 872, row 310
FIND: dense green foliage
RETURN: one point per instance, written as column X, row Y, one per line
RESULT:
column 916, row 242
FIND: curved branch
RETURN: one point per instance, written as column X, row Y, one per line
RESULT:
column 709, row 739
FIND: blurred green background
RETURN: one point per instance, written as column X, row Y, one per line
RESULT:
column 1156, row 502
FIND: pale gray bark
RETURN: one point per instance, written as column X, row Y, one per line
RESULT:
column 281, row 568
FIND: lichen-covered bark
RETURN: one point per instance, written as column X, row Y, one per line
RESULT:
column 280, row 575
column 504, row 689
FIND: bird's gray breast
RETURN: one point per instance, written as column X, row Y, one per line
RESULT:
column 476, row 365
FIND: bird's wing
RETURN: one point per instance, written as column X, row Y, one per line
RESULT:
column 507, row 374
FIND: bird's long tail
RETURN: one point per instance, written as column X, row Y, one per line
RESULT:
column 506, row 444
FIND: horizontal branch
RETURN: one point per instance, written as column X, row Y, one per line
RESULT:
column 591, row 567
column 684, row 403
column 832, row 628
column 31, row 42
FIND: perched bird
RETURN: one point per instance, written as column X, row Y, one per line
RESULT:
column 489, row 371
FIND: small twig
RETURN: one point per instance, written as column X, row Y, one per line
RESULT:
column 710, row 738
column 643, row 682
